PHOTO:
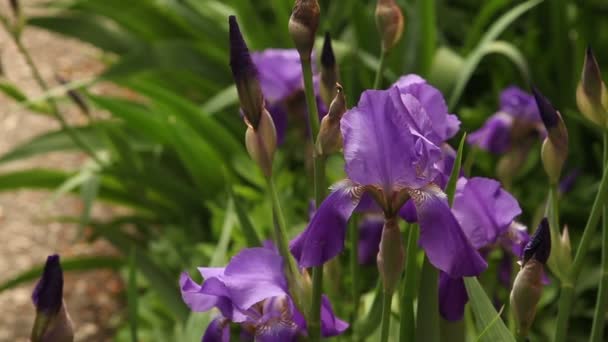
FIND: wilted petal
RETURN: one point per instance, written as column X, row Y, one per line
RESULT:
column 323, row 239
column 254, row 275
column 370, row 232
column 444, row 125
column 452, row 297
column 495, row 135
column 330, row 324
column 484, row 210
column 379, row 149
column 217, row 331
column 444, row 242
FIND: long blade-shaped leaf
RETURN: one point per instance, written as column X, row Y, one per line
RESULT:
column 494, row 329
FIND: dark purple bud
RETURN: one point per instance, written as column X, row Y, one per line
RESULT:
column 48, row 294
column 539, row 247
column 245, row 73
column 547, row 111
column 328, row 59
column 591, row 78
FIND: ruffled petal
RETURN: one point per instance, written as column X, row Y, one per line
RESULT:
column 484, row 210
column 441, row 237
column 495, row 135
column 323, row 239
column 203, row 298
column 452, row 297
column 330, row 324
column 253, row 275
column 217, row 331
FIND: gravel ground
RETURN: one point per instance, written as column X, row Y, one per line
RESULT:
column 27, row 234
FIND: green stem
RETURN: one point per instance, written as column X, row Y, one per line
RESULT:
column 311, row 102
column 567, row 288
column 427, row 327
column 428, row 35
column 597, row 329
column 315, row 312
column 386, row 315
column 380, row 71
column 407, row 322
column 354, row 267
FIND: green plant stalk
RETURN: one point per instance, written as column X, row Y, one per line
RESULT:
column 380, row 71
column 311, row 103
column 597, row 329
column 44, row 86
column 566, row 298
column 407, row 324
column 354, row 267
column 428, row 33
column 387, row 299
column 427, row 327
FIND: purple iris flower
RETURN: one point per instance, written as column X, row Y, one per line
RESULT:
column 390, row 160
column 280, row 76
column 517, row 118
column 485, row 212
column 370, row 233
column 252, row 291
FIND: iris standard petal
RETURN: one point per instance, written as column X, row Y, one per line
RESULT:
column 452, row 297
column 330, row 324
column 253, row 275
column 519, row 104
column 495, row 135
column 484, row 210
column 217, row 331
column 323, row 239
column 370, row 233
column 442, row 238
column 444, row 125
column 279, row 72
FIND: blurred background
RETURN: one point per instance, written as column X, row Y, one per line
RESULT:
column 121, row 145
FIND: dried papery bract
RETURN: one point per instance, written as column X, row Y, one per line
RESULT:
column 555, row 147
column 527, row 287
column 390, row 255
column 390, row 23
column 303, row 26
column 261, row 143
column 329, row 71
column 330, row 138
column 591, row 93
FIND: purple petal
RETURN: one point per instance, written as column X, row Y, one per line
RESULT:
column 452, row 297
column 519, row 104
column 408, row 212
column 370, row 232
column 444, row 125
column 253, row 275
column 381, row 148
column 279, row 117
column 515, row 239
column 323, row 239
column 217, row 331
column 444, row 242
column 495, row 135
column 276, row 324
column 279, row 72
column 484, row 210
column 48, row 293
column 445, row 165
column 212, row 294
column 505, row 271
column 330, row 324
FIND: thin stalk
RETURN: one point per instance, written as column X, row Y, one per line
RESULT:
column 407, row 324
column 311, row 102
column 567, row 287
column 380, row 71
column 428, row 35
column 354, row 267
column 597, row 329
column 386, row 315
column 427, row 327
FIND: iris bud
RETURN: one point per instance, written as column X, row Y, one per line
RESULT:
column 329, row 71
column 555, row 147
column 390, row 255
column 303, row 26
column 52, row 322
column 245, row 77
column 261, row 143
column 330, row 137
column 591, row 93
column 390, row 22
column 527, row 287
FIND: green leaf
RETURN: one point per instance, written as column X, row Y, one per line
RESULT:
column 68, row 264
column 247, row 228
column 450, row 189
column 32, row 178
column 222, row 100
column 219, row 255
column 427, row 317
column 132, row 295
column 494, row 329
column 371, row 322
column 481, row 49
